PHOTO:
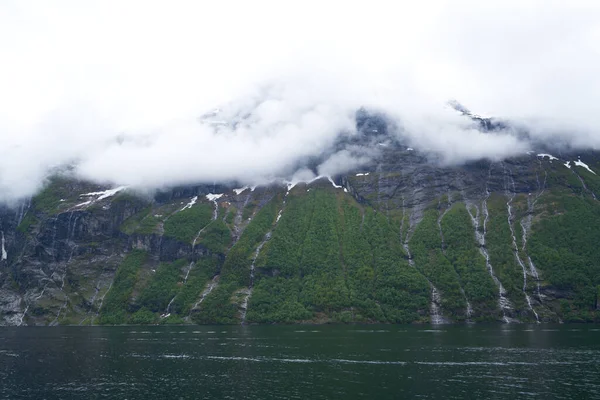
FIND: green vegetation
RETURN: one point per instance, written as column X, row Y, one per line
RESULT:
column 426, row 247
column 48, row 200
column 162, row 287
column 592, row 181
column 276, row 300
column 230, row 216
column 28, row 221
column 501, row 252
column 115, row 310
column 218, row 307
column 564, row 246
column 328, row 257
column 249, row 210
column 140, row 222
column 399, row 289
column 463, row 252
column 324, row 263
column 237, row 265
column 143, row 316
column 185, row 225
column 216, row 237
column 202, row 271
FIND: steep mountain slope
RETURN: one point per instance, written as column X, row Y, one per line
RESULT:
column 405, row 240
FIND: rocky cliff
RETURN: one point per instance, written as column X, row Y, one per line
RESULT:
column 403, row 240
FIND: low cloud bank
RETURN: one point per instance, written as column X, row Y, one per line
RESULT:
column 122, row 92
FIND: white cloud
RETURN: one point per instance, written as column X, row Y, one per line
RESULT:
column 115, row 87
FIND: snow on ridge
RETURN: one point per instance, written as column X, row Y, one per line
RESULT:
column 240, row 190
column 363, row 174
column 291, row 184
column 103, row 194
column 329, row 178
column 550, row 156
column 190, row 204
column 213, row 197
column 580, row 163
column 333, row 183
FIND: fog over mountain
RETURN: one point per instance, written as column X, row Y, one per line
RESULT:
column 124, row 92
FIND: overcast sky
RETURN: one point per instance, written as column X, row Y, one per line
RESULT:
column 77, row 75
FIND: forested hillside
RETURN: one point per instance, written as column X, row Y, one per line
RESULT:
column 405, row 241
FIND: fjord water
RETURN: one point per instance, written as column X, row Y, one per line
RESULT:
column 301, row 362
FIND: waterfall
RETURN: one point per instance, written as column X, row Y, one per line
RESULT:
column 4, row 255
column 23, row 208
column 28, row 303
column 436, row 297
column 102, row 300
column 516, row 247
column 469, row 310
column 503, row 302
column 534, row 273
column 439, row 222
column 214, row 197
column 434, row 309
column 584, row 185
column 70, row 236
column 209, row 288
column 187, row 274
column 168, row 309
column 248, row 291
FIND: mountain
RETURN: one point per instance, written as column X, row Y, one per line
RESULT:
column 403, row 239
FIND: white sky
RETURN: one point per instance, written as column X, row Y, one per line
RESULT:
column 75, row 74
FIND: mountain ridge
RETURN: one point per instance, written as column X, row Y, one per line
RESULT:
column 403, row 240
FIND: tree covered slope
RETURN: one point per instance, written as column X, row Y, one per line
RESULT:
column 404, row 241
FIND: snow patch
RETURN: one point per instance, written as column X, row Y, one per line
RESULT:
column 550, row 156
column 410, row 149
column 363, row 174
column 104, row 194
column 241, row 190
column 580, row 163
column 190, row 204
column 100, row 195
column 568, row 164
column 214, row 197
column 345, row 190
column 333, row 183
column 290, row 185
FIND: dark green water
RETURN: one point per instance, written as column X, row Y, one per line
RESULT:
column 301, row 362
